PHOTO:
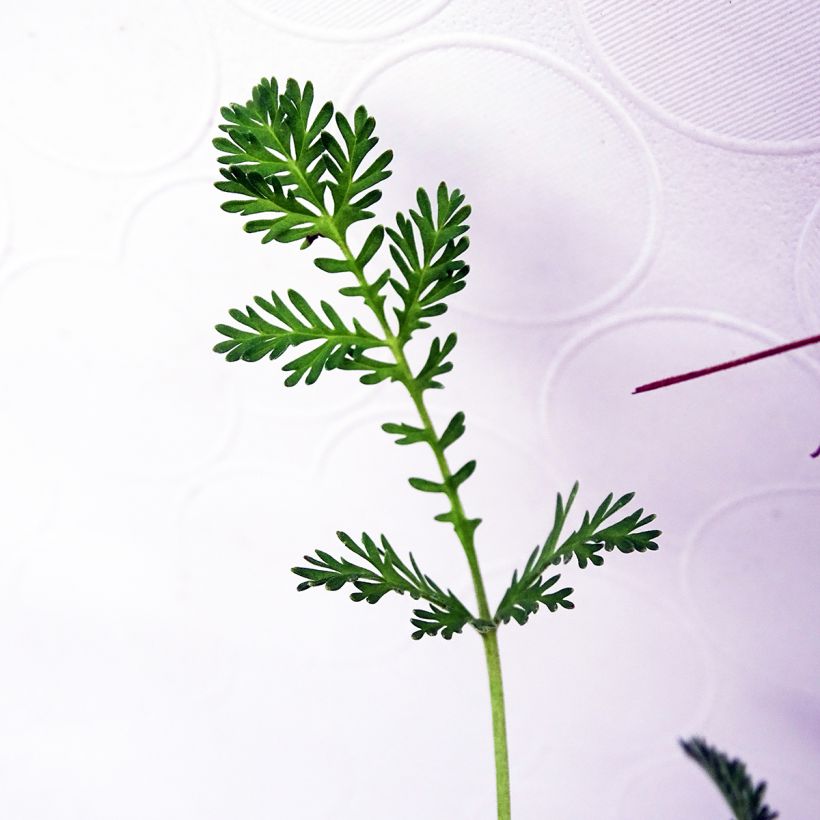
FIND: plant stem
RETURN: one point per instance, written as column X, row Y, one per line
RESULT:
column 502, row 762
column 465, row 531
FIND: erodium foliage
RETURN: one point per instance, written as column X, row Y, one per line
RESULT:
column 302, row 173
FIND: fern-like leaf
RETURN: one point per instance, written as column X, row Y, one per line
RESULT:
column 436, row 364
column 447, row 619
column 282, row 161
column 427, row 249
column 529, row 590
column 524, row 596
column 381, row 572
column 592, row 538
column 338, row 345
column 273, row 133
column 292, row 219
column 353, row 188
column 745, row 798
column 276, row 161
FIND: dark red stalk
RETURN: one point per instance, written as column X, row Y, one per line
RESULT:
column 696, row 374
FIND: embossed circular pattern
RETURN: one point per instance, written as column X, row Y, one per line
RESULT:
column 343, row 20
column 742, row 75
column 151, row 629
column 101, row 357
column 91, row 701
column 563, row 187
column 230, row 573
column 134, row 88
column 807, row 270
column 753, row 575
column 694, row 442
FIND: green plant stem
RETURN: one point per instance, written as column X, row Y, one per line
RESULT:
column 502, row 761
column 464, row 531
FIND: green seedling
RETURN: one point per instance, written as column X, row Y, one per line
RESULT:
column 306, row 176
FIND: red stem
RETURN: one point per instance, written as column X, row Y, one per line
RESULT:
column 696, row 374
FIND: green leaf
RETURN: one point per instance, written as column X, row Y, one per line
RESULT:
column 339, row 346
column 292, row 219
column 378, row 571
column 282, row 160
column 427, row 486
column 462, row 474
column 436, row 364
column 433, row 272
column 371, row 246
column 529, row 590
column 592, row 538
column 406, row 433
column 521, row 601
column 375, row 370
column 275, row 156
column 453, row 431
column 744, row 798
column 332, row 265
column 347, row 179
column 448, row 620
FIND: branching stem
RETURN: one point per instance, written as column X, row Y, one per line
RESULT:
column 465, row 531
column 278, row 158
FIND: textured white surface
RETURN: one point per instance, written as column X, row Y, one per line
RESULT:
column 806, row 266
column 740, row 74
column 596, row 231
column 645, row 190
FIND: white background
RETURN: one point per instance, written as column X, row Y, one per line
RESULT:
column 645, row 183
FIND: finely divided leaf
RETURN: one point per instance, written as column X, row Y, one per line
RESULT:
column 352, row 187
column 447, row 619
column 276, row 159
column 282, row 159
column 530, row 590
column 292, row 219
column 378, row 571
column 730, row 776
column 427, row 249
column 523, row 599
column 436, row 364
column 406, row 433
column 590, row 539
column 338, row 344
